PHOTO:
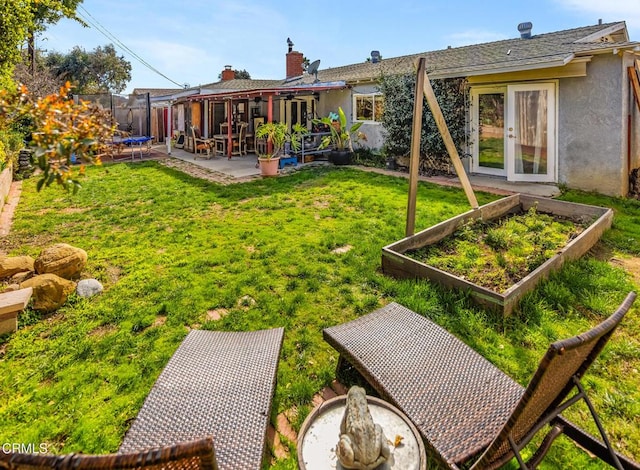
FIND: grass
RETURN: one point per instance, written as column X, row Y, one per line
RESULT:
column 170, row 248
column 499, row 253
column 491, row 152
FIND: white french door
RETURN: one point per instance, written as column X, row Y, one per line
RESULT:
column 531, row 132
column 514, row 130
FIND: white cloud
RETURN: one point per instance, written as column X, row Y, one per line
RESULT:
column 608, row 11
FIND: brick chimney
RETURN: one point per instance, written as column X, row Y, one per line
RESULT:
column 294, row 64
column 228, row 73
column 294, row 61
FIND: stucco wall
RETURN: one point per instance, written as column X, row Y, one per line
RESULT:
column 592, row 128
column 344, row 98
column 374, row 132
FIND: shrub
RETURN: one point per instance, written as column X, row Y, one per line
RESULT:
column 397, row 118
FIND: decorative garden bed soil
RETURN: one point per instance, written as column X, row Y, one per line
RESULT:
column 501, row 250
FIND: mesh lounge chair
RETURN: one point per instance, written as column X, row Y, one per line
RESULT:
column 216, row 384
column 468, row 411
column 188, row 456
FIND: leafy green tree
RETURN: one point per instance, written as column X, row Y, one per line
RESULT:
column 239, row 74
column 14, row 27
column 63, row 132
column 19, row 22
column 399, row 93
column 97, row 71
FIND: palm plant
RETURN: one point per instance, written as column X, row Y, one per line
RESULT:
column 341, row 137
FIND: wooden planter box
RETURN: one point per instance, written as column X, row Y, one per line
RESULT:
column 396, row 264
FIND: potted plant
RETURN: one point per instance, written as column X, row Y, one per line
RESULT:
column 340, row 138
column 276, row 136
column 276, row 133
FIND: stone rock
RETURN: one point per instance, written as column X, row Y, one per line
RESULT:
column 11, row 265
column 19, row 278
column 88, row 288
column 50, row 291
column 63, row 260
column 11, row 288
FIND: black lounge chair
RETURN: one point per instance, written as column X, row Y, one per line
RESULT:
column 470, row 413
column 217, row 386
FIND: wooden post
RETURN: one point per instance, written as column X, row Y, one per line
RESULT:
column 229, row 127
column 635, row 83
column 270, row 119
column 448, row 142
column 414, row 162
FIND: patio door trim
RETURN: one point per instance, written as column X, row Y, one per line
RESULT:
column 552, row 131
column 509, row 151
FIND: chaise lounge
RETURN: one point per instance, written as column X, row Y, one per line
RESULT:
column 470, row 413
column 208, row 409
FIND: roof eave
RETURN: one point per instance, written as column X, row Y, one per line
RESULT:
column 605, row 32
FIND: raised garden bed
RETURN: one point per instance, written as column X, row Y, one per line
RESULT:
column 403, row 259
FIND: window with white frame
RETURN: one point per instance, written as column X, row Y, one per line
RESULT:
column 368, row 107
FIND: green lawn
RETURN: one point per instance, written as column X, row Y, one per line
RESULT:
column 170, row 248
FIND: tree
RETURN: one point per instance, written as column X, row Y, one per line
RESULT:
column 14, row 27
column 39, row 80
column 63, row 132
column 97, row 71
column 47, row 12
column 397, row 117
column 239, row 74
column 19, row 22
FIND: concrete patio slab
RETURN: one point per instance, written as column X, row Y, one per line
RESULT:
column 245, row 166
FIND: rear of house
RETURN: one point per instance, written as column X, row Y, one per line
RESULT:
column 550, row 108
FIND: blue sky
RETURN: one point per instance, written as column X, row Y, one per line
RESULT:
column 192, row 40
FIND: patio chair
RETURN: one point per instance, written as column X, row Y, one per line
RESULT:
column 188, row 456
column 215, row 392
column 200, row 144
column 467, row 410
column 239, row 142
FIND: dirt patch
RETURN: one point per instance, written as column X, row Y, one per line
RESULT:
column 74, row 210
column 103, row 331
column 631, row 264
column 217, row 314
column 113, row 274
column 161, row 320
column 342, row 249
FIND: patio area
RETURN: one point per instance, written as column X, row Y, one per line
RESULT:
column 243, row 168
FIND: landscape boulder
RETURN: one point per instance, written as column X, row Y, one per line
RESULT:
column 50, row 291
column 62, row 260
column 10, row 265
column 88, row 288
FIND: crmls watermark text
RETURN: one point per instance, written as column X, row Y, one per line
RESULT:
column 23, row 448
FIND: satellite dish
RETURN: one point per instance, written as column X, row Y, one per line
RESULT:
column 313, row 68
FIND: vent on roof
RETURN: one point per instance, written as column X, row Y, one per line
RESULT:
column 375, row 57
column 525, row 29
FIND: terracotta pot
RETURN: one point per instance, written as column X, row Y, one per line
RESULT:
column 340, row 157
column 269, row 166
